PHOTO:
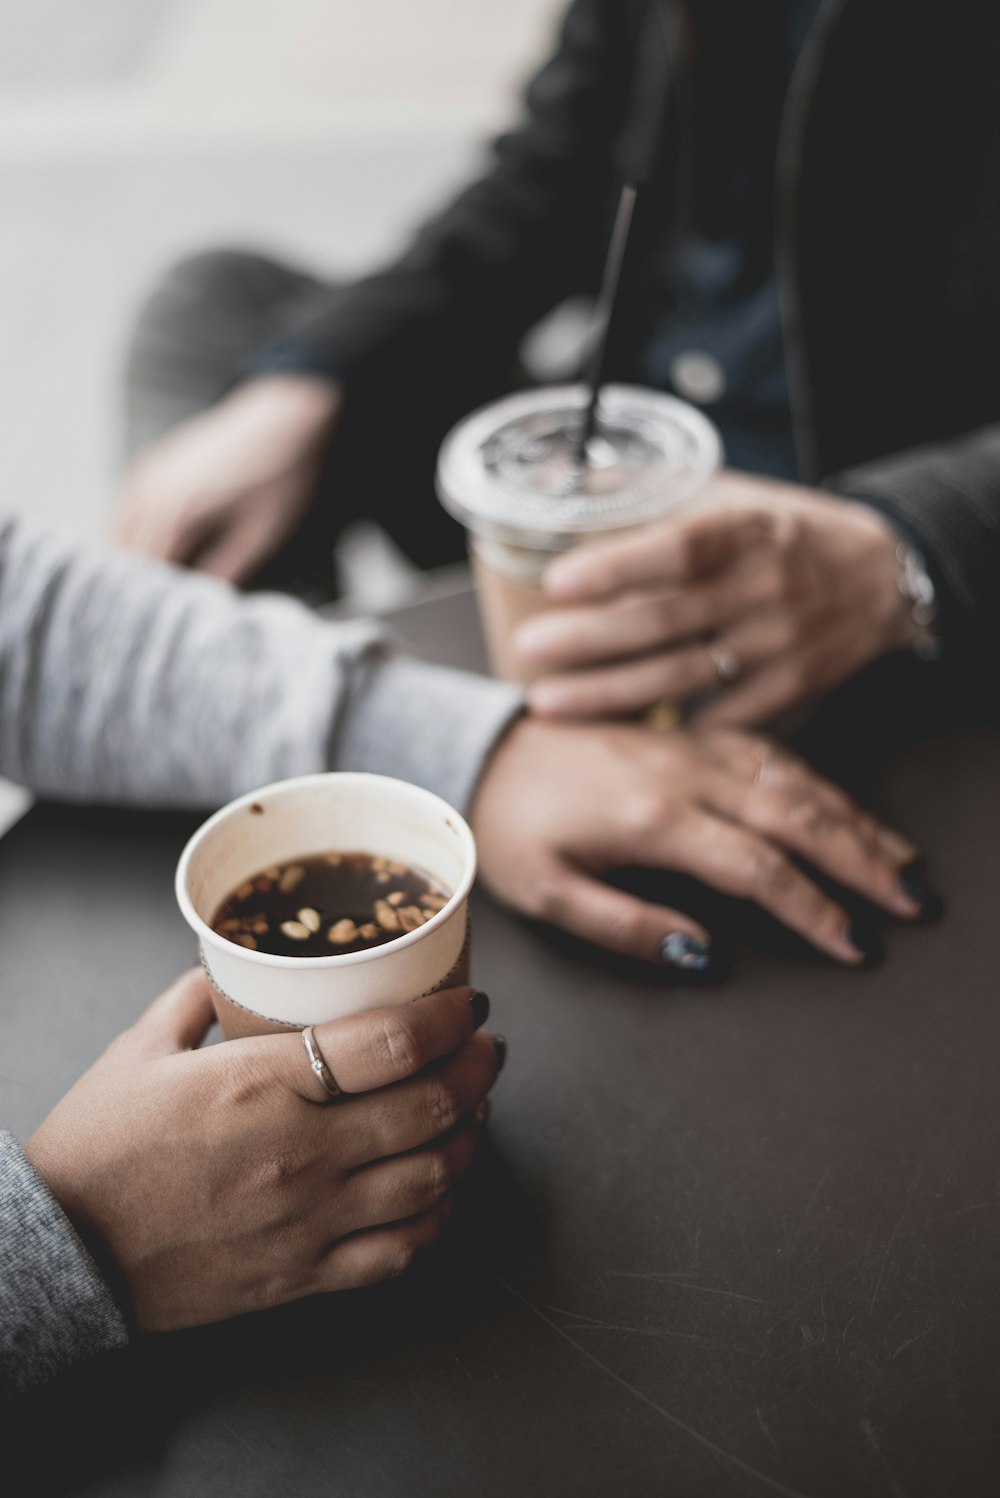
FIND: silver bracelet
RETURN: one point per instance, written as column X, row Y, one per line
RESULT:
column 915, row 584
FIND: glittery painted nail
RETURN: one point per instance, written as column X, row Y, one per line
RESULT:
column 690, row 953
column 913, row 880
column 479, row 1002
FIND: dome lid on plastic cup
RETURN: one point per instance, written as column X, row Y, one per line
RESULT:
column 508, row 471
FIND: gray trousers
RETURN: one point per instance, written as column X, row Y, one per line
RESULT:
column 192, row 341
column 196, row 332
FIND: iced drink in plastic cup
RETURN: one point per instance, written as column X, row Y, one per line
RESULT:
column 508, row 472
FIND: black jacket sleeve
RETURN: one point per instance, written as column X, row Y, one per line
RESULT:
column 527, row 234
column 948, row 495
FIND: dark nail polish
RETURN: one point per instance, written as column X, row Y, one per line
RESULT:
column 913, row 880
column 479, row 1002
column 866, row 940
column 914, row 885
column 682, row 950
column 500, row 1046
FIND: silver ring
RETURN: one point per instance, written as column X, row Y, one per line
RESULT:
column 318, row 1066
column 727, row 663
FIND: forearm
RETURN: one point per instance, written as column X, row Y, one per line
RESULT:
column 126, row 681
column 55, row 1308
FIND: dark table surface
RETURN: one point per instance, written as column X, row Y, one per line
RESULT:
column 730, row 1241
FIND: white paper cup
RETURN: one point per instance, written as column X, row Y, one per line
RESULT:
column 258, row 992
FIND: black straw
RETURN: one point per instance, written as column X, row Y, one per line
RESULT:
column 604, row 317
column 649, row 129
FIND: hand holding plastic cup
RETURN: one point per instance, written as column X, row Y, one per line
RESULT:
column 509, row 473
column 259, row 992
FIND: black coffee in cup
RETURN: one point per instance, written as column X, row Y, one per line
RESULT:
column 328, row 904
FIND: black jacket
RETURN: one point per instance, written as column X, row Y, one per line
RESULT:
column 887, row 248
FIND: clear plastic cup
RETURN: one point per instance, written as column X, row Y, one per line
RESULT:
column 508, row 473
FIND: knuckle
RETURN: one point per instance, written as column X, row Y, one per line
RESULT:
column 444, row 1105
column 641, row 808
column 625, row 928
column 805, row 815
column 787, row 773
column 395, row 1044
column 281, row 1286
column 401, row 1257
column 545, row 897
column 279, row 1170
column 240, row 1085
column 867, row 833
column 766, row 869
column 440, row 1175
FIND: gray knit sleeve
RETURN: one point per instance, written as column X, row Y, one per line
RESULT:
column 55, row 1308
column 122, row 680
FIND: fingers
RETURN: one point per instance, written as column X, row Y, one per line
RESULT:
column 239, row 549
column 380, row 1046
column 740, row 862
column 165, row 529
column 621, row 627
column 755, row 635
column 837, row 842
column 381, row 1254
column 758, row 698
column 410, row 1114
column 618, row 690
column 179, row 1019
column 409, row 1185
column 635, row 622
column 619, row 922
column 669, row 551
column 806, row 813
column 790, row 671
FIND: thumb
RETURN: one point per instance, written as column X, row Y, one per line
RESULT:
column 179, row 1019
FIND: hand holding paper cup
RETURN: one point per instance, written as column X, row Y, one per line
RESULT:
column 263, row 836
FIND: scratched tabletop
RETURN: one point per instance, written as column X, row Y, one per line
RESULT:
column 738, row 1240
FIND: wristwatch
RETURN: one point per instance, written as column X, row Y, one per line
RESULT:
column 914, row 582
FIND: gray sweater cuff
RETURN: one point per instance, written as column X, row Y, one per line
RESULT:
column 426, row 724
column 54, row 1306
